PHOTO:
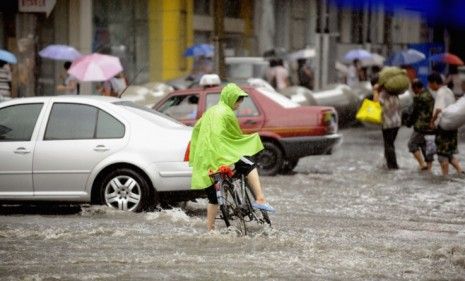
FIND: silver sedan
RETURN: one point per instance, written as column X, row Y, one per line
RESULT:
column 90, row 149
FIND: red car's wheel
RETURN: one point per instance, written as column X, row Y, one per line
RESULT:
column 270, row 160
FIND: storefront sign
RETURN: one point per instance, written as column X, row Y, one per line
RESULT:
column 36, row 6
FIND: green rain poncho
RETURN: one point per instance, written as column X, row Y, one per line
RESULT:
column 217, row 139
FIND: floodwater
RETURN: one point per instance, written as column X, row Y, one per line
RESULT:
column 340, row 217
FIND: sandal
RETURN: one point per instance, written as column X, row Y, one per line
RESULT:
column 263, row 207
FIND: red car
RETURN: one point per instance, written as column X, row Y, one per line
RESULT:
column 288, row 131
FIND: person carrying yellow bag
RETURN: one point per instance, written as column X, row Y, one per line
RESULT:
column 392, row 82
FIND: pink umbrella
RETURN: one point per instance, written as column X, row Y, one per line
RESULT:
column 95, row 67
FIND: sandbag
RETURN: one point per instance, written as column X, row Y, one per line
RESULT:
column 453, row 116
column 394, row 80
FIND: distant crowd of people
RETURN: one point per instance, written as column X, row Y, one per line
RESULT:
column 277, row 74
column 428, row 138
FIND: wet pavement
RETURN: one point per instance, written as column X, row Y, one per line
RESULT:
column 340, row 217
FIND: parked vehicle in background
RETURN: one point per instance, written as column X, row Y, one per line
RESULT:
column 147, row 94
column 91, row 149
column 288, row 131
column 240, row 69
column 340, row 96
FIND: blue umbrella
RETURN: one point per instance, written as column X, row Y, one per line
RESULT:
column 8, row 57
column 359, row 54
column 199, row 50
column 406, row 57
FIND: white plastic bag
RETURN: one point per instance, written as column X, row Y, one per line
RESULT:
column 453, row 116
column 430, row 145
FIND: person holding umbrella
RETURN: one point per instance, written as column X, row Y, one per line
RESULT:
column 353, row 73
column 5, row 79
column 306, row 75
column 454, row 81
column 70, row 84
column 5, row 72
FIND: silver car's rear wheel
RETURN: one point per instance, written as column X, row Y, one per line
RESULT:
column 126, row 190
column 123, row 193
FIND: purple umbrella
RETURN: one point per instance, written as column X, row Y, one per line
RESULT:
column 60, row 52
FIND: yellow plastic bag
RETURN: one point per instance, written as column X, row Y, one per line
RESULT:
column 370, row 111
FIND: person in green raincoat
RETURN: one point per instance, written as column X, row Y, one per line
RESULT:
column 217, row 140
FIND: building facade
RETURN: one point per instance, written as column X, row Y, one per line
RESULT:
column 150, row 36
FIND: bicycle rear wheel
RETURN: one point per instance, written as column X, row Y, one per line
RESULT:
column 231, row 211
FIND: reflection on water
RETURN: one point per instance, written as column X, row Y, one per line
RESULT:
column 340, row 217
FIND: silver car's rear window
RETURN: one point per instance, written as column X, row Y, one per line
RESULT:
column 150, row 114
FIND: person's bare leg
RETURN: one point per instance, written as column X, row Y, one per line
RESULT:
column 445, row 167
column 212, row 210
column 429, row 166
column 419, row 157
column 254, row 182
column 455, row 162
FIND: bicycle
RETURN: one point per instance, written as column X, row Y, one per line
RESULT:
column 235, row 200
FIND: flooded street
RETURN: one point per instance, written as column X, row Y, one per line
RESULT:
column 339, row 217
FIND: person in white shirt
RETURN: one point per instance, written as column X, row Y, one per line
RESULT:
column 353, row 74
column 454, row 81
column 446, row 141
column 277, row 75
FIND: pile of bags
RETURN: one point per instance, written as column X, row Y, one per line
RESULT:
column 394, row 80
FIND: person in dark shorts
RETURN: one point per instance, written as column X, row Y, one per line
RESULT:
column 446, row 141
column 242, row 167
column 423, row 104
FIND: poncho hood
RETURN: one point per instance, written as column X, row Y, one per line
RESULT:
column 231, row 93
column 217, row 138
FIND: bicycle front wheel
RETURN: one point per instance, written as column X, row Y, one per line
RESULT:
column 258, row 215
column 231, row 211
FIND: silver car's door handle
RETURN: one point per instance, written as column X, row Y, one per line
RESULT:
column 101, row 147
column 22, row 150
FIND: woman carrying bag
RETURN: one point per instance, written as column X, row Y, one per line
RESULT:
column 392, row 82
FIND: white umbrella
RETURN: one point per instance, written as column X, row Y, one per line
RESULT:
column 302, row 54
column 375, row 59
column 359, row 54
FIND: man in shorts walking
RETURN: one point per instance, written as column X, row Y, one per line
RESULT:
column 423, row 104
column 446, row 141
